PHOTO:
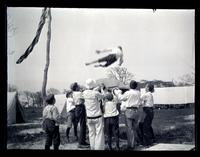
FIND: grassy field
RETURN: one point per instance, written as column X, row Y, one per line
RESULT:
column 170, row 126
column 174, row 125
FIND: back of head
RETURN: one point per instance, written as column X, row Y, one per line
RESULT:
column 150, row 87
column 68, row 93
column 50, row 99
column 74, row 86
column 133, row 84
column 109, row 96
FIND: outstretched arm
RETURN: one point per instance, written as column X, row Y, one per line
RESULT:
column 104, row 50
column 120, row 96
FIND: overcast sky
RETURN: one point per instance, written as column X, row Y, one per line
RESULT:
column 156, row 45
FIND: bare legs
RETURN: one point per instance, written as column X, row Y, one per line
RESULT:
column 93, row 62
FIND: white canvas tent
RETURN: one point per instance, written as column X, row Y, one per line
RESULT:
column 60, row 104
column 14, row 109
column 173, row 95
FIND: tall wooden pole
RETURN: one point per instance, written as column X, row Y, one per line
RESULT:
column 47, row 57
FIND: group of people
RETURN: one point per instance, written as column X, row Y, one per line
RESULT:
column 97, row 109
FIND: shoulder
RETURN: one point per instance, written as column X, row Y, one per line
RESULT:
column 146, row 95
column 137, row 92
column 45, row 108
column 132, row 91
column 109, row 102
column 150, row 94
column 77, row 94
column 70, row 100
column 54, row 108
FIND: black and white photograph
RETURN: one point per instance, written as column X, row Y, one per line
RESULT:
column 100, row 79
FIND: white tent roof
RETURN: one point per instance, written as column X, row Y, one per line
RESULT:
column 10, row 99
column 14, row 109
column 11, row 107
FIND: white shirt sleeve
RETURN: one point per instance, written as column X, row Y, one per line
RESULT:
column 123, row 97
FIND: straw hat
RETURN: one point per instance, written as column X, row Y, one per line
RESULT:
column 90, row 83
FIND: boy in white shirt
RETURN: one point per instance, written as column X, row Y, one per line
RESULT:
column 131, row 100
column 111, row 120
column 70, row 118
column 80, row 114
column 51, row 123
column 114, row 55
column 148, row 104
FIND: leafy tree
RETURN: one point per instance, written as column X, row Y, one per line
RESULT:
column 120, row 73
column 186, row 80
column 38, row 98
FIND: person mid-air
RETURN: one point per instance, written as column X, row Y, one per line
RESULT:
column 114, row 55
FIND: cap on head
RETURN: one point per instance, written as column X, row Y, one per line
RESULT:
column 90, row 83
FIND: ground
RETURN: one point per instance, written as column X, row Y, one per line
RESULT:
column 170, row 126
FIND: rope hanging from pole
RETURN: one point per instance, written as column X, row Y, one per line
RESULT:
column 35, row 40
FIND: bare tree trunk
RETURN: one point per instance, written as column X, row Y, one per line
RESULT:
column 47, row 57
column 27, row 99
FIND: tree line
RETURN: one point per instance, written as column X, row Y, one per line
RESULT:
column 29, row 98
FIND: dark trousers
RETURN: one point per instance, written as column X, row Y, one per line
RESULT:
column 140, row 133
column 52, row 136
column 112, row 128
column 148, row 134
column 80, row 116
